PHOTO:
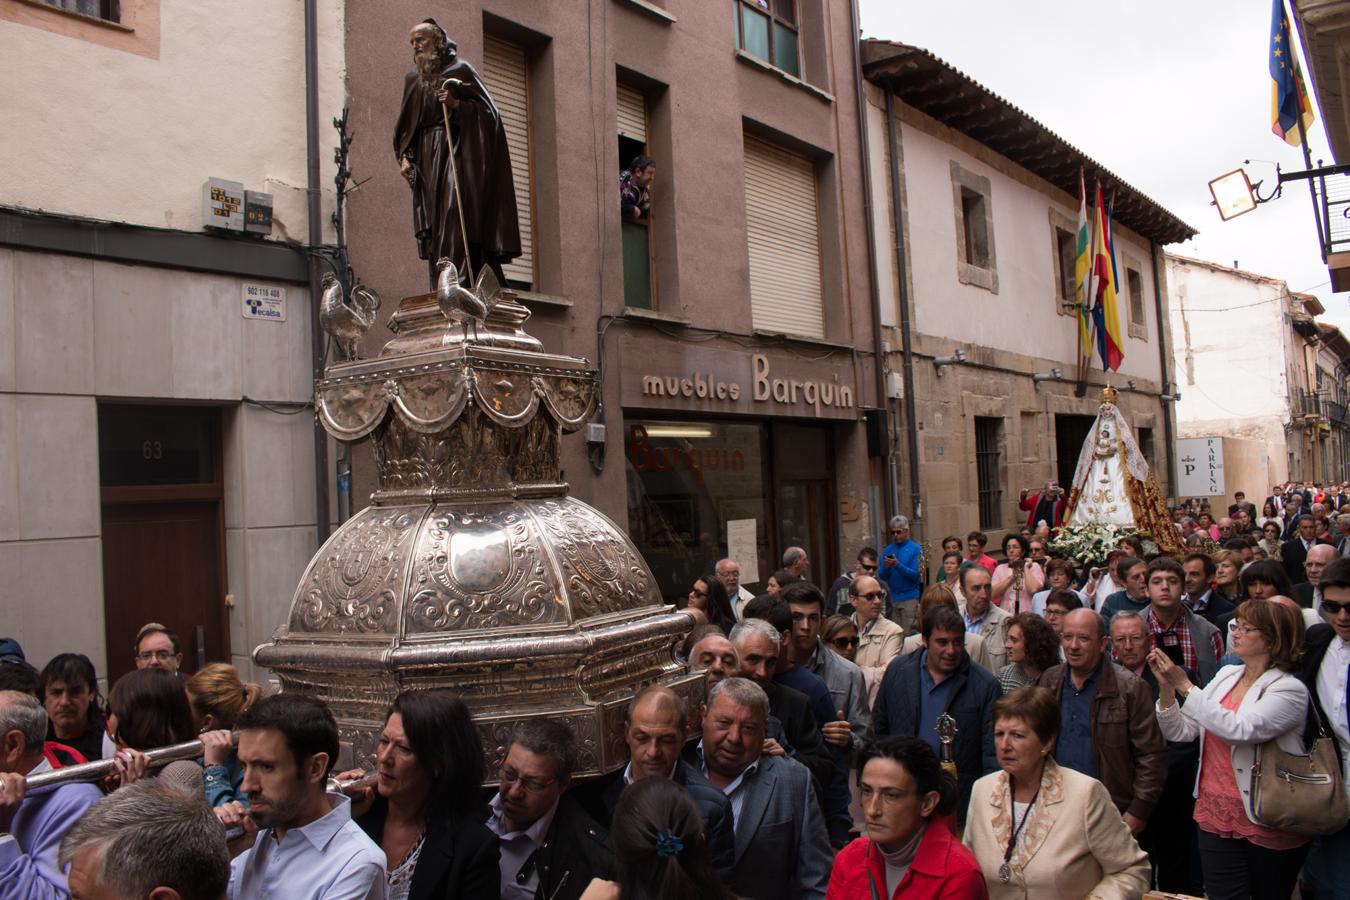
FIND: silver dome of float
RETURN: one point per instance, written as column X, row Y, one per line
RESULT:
column 472, row 569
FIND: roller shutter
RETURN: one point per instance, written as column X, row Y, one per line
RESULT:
column 783, row 241
column 632, row 115
column 505, row 72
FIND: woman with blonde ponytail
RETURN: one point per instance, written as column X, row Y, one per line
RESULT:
column 219, row 698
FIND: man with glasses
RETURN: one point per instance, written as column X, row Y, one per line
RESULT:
column 836, row 599
column 879, row 639
column 728, row 571
column 550, row 847
column 900, row 572
column 157, row 648
column 1326, row 665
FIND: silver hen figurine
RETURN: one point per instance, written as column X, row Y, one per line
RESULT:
column 458, row 303
column 344, row 319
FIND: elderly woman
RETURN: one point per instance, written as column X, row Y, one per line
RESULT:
column 1019, row 579
column 908, row 850
column 1033, row 646
column 426, row 811
column 1270, row 540
column 1039, row 830
column 1240, row 709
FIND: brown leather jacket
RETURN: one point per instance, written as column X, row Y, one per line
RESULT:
column 1129, row 747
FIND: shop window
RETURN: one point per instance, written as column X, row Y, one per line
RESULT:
column 782, row 218
column 988, row 461
column 686, row 482
column 974, row 229
column 639, row 271
column 768, row 29
column 506, row 74
column 109, row 10
column 1135, row 285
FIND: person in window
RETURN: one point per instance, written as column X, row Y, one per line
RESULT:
column 635, row 188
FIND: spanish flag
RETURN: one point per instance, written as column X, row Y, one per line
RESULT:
column 1288, row 94
column 1082, row 271
column 1104, row 313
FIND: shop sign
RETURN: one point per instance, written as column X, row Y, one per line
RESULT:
column 767, row 388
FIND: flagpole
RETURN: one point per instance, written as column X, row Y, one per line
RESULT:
column 1085, row 320
column 1300, row 93
column 1093, row 288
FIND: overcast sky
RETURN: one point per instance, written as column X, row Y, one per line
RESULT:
column 1165, row 95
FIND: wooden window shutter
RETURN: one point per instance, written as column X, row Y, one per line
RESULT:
column 504, row 72
column 632, row 115
column 783, row 241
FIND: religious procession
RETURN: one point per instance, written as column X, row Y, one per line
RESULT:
column 856, row 511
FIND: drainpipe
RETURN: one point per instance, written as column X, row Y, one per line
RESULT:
column 889, row 487
column 315, row 198
column 906, row 331
column 1168, row 409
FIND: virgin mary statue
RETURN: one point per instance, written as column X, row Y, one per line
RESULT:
column 1113, row 485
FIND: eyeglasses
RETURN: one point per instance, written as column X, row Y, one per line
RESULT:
column 1236, row 627
column 161, row 655
column 867, row 568
column 1334, row 608
column 510, row 776
column 700, row 594
column 844, row 643
column 875, row 595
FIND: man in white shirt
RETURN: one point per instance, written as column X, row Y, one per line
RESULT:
column 1326, row 670
column 728, row 571
column 308, row 847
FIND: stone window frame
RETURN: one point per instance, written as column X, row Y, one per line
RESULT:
column 985, row 276
column 1136, row 329
column 1064, row 306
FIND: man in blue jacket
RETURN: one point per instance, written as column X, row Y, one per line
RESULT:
column 941, row 678
column 900, row 573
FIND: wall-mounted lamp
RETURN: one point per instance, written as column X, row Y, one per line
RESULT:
column 1054, row 374
column 958, row 356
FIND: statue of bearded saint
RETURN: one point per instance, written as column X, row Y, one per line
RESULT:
column 451, row 149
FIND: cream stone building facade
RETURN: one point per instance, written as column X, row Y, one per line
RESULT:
column 987, row 201
column 1256, row 369
column 157, row 452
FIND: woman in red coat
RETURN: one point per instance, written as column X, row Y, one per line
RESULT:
column 909, row 850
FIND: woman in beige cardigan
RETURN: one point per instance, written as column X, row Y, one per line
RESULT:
column 1041, row 831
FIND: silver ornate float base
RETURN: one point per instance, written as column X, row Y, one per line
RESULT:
column 473, row 569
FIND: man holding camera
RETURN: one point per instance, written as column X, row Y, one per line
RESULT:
column 1046, row 505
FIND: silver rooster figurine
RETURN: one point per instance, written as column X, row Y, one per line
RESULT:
column 458, row 303
column 346, row 320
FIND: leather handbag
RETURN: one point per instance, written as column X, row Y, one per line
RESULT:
column 1302, row 794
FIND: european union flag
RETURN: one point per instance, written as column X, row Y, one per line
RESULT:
column 1288, row 94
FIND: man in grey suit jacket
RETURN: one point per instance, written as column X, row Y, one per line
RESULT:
column 782, row 849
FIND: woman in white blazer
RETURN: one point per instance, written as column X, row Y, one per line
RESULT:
column 1242, row 708
column 1042, row 832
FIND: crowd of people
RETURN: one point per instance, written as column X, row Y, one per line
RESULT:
column 1022, row 727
